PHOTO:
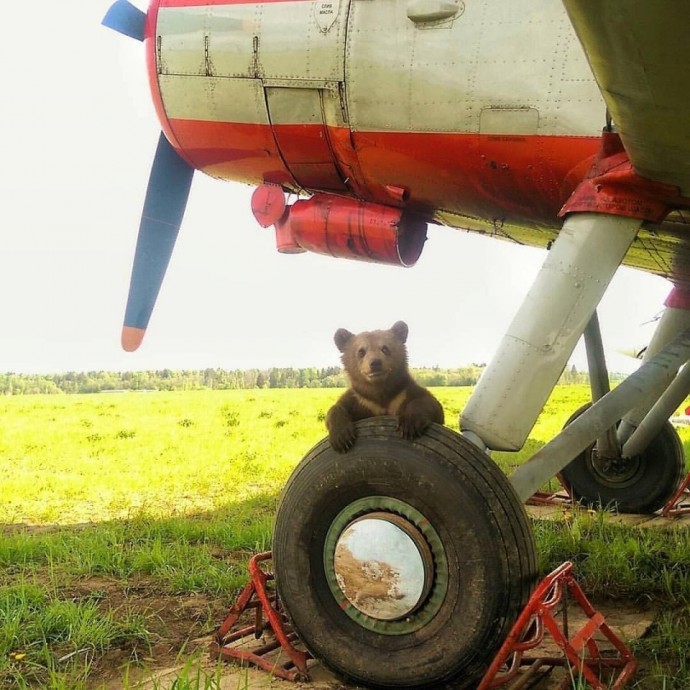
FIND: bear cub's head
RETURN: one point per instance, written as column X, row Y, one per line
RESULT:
column 374, row 357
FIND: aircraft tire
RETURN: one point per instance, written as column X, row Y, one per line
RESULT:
column 471, row 533
column 643, row 486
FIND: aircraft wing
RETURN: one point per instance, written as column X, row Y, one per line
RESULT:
column 638, row 53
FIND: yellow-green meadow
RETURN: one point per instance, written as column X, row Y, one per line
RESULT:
column 127, row 519
column 70, row 459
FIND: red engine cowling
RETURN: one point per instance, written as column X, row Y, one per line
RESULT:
column 351, row 229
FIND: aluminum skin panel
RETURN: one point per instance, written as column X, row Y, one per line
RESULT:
column 638, row 52
column 321, row 38
column 213, row 99
column 253, row 40
column 402, row 76
column 206, row 41
column 211, row 62
column 222, row 126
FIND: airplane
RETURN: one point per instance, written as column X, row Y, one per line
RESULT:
column 559, row 125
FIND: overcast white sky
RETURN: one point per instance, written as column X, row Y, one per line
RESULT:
column 78, row 136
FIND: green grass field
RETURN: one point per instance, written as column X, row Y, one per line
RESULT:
column 127, row 520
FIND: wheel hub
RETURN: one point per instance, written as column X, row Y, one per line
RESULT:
column 385, row 565
column 616, row 471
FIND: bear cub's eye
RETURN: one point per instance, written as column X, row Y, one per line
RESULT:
column 361, row 352
column 386, row 350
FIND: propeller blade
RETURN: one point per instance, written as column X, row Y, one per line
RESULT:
column 166, row 199
column 126, row 19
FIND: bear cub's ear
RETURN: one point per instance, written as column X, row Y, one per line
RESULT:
column 400, row 331
column 342, row 337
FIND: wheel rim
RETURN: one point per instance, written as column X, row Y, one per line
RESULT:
column 385, row 565
column 614, row 472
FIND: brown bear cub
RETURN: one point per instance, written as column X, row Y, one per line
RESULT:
column 380, row 384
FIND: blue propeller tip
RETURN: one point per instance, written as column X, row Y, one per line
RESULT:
column 126, row 19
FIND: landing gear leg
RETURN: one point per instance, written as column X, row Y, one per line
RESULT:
column 607, row 444
column 674, row 320
column 512, row 391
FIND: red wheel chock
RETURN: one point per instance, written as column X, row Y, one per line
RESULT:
column 560, row 497
column 679, row 503
column 256, row 595
column 582, row 654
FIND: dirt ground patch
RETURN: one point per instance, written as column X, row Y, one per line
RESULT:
column 182, row 626
column 178, row 625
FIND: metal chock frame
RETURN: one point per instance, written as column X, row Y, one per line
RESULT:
column 582, row 654
column 549, row 601
column 257, row 596
column 560, row 497
column 679, row 503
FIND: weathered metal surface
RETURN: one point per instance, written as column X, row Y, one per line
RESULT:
column 638, row 57
column 586, row 650
column 512, row 391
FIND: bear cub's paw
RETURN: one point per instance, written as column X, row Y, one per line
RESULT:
column 412, row 426
column 343, row 438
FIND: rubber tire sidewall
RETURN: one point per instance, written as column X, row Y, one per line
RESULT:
column 487, row 539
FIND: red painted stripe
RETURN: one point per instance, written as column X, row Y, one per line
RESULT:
column 521, row 178
column 484, row 176
column 678, row 298
column 241, row 152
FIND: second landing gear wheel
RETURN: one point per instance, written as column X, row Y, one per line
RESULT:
column 403, row 564
column 641, row 484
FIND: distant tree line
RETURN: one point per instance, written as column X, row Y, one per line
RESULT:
column 227, row 379
column 218, row 379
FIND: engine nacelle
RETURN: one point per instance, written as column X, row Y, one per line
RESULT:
column 351, row 229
